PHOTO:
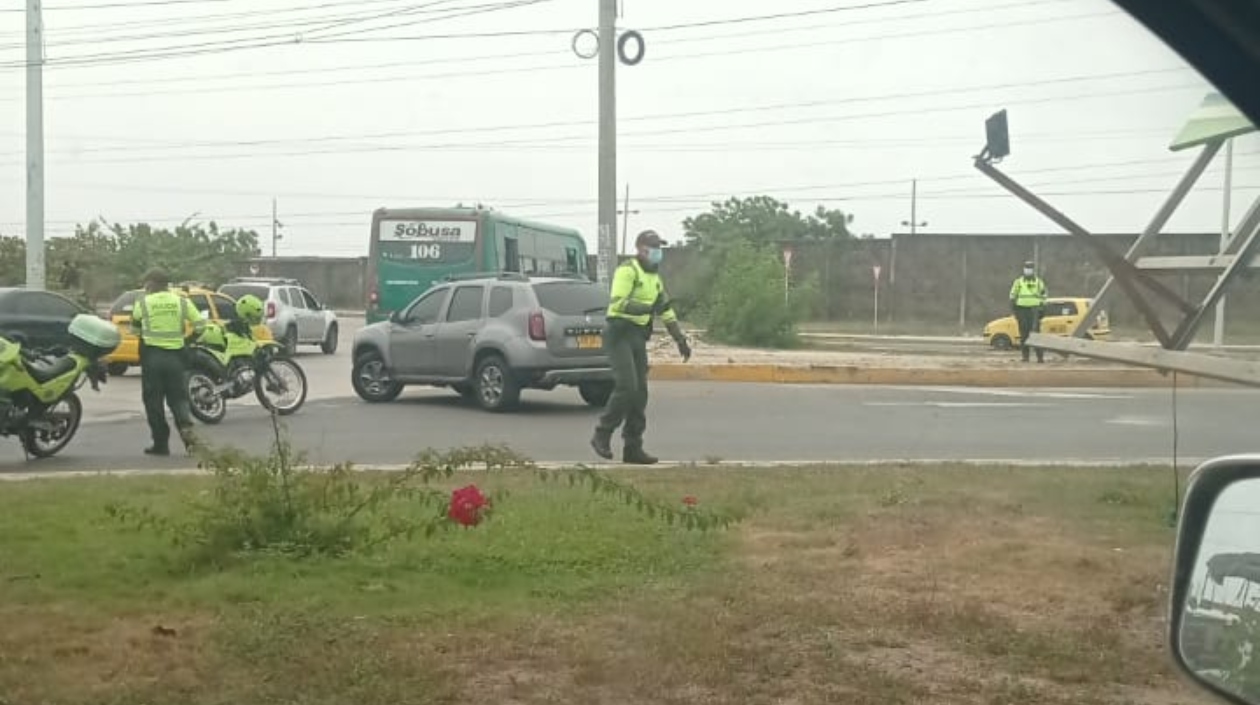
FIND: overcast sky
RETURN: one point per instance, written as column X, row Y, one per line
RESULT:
column 172, row 108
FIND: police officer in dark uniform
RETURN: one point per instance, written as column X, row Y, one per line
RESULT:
column 637, row 297
column 160, row 318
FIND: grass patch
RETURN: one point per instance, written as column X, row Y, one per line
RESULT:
column 863, row 585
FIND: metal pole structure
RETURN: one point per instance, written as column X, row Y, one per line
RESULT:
column 1218, row 333
column 914, row 206
column 34, row 146
column 275, row 228
column 607, row 139
column 876, row 304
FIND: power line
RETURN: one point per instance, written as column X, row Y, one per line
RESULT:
column 663, row 131
column 726, row 111
column 518, row 55
column 280, row 40
column 124, row 5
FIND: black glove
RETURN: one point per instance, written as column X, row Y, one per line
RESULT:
column 684, row 349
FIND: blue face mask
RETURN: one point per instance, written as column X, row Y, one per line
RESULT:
column 655, row 255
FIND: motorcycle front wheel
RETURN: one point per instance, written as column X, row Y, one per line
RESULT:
column 206, row 404
column 281, row 386
column 53, row 430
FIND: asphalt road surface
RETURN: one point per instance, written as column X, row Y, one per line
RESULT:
column 704, row 422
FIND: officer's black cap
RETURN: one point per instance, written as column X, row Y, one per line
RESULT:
column 157, row 277
column 648, row 238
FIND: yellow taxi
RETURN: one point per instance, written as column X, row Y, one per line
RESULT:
column 1060, row 318
column 213, row 306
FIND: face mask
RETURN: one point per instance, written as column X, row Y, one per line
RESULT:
column 655, row 255
column 1028, row 272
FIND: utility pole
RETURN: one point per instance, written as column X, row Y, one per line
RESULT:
column 34, row 146
column 607, row 139
column 1218, row 333
column 914, row 223
column 275, row 228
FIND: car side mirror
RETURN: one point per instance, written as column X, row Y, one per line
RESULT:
column 1214, row 624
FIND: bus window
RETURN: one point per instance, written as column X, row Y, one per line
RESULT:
column 571, row 260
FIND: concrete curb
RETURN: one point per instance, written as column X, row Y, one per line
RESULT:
column 1029, row 377
column 724, row 465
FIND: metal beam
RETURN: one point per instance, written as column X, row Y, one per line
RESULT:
column 1249, row 221
column 1162, row 216
column 1123, row 270
column 1198, row 364
column 1246, row 251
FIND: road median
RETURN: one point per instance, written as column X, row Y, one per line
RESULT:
column 1029, row 376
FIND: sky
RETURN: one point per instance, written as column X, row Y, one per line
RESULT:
column 158, row 110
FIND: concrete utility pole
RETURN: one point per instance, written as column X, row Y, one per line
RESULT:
column 607, row 140
column 275, row 228
column 34, row 146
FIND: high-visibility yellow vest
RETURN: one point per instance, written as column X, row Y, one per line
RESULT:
column 633, row 284
column 161, row 317
column 1028, row 293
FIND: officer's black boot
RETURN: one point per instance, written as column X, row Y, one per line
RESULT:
column 633, row 454
column 189, row 438
column 601, row 443
column 157, row 449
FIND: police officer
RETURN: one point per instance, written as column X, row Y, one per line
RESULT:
column 1028, row 298
column 159, row 318
column 637, row 297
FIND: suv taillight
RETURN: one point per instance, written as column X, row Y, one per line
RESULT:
column 374, row 298
column 271, row 309
column 537, row 326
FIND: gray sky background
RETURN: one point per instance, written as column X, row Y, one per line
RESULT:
column 842, row 107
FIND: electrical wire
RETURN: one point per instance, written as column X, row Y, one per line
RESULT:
column 285, row 39
column 122, row 5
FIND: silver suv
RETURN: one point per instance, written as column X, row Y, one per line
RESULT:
column 488, row 337
column 293, row 314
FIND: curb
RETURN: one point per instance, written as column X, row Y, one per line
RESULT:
column 723, row 465
column 927, row 377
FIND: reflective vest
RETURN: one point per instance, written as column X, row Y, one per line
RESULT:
column 632, row 283
column 1028, row 293
column 161, row 317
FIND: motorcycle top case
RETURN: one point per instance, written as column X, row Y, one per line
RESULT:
column 95, row 337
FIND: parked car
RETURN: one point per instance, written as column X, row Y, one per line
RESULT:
column 214, row 306
column 40, row 318
column 293, row 314
column 488, row 337
column 1060, row 318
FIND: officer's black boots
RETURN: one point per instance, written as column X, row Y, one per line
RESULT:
column 601, row 443
column 635, row 455
column 157, row 450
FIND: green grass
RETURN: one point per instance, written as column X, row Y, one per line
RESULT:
column 856, row 585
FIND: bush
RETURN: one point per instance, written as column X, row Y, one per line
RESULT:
column 273, row 504
column 747, row 305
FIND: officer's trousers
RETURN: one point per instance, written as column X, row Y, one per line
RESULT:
column 626, row 345
column 1029, row 320
column 163, row 383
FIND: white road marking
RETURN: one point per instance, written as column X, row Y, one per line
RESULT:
column 1022, row 393
column 961, row 404
column 1147, row 421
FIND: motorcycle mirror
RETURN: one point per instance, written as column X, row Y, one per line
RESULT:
column 1213, row 613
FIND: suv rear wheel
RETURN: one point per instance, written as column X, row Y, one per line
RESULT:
column 596, row 393
column 329, row 346
column 496, row 386
column 371, row 380
column 290, row 340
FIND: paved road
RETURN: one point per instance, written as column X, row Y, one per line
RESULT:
column 733, row 422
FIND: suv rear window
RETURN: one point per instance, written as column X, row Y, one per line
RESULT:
column 123, row 305
column 236, row 291
column 572, row 298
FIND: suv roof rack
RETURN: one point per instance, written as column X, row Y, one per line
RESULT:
column 264, row 280
column 503, row 276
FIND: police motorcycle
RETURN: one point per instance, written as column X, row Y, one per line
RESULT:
column 38, row 399
column 227, row 363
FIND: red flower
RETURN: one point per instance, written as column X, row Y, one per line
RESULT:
column 690, row 501
column 468, row 506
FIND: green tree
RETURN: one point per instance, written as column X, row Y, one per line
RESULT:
column 748, row 303
column 12, row 261
column 189, row 252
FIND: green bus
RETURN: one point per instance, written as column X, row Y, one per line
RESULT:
column 413, row 248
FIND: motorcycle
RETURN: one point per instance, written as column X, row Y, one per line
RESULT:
column 38, row 399
column 227, row 363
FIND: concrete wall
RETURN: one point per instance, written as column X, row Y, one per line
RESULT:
column 955, row 280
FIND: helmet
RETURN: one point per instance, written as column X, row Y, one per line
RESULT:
column 249, row 309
